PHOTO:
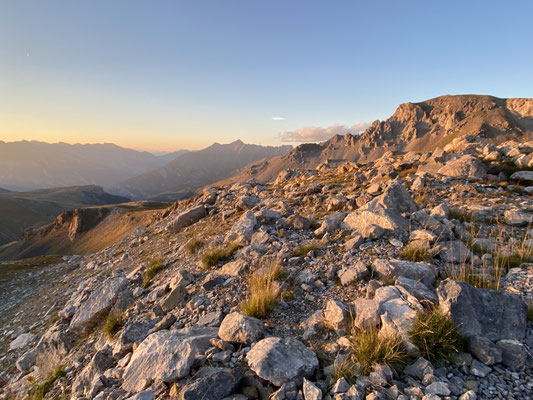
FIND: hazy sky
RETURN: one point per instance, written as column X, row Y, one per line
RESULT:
column 164, row 75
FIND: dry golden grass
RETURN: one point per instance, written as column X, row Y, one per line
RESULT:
column 263, row 292
column 369, row 348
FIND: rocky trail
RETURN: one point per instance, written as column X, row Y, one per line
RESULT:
column 408, row 277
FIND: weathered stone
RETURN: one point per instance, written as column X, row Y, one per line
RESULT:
column 384, row 211
column 21, row 341
column 353, row 273
column 243, row 229
column 479, row 369
column 267, row 217
column 414, row 270
column 234, row 268
column 176, row 298
column 483, row 312
column 132, row 333
column 165, row 355
column 99, row 303
column 419, row 369
column 353, row 244
column 518, row 217
column 367, row 313
column 523, row 176
column 296, row 221
column 239, row 328
column 311, row 391
column 438, row 388
column 418, row 290
column 26, row 361
column 280, row 360
column 513, row 353
column 213, row 386
column 212, row 319
column 247, row 202
column 186, row 218
column 466, row 166
column 336, row 315
column 484, row 350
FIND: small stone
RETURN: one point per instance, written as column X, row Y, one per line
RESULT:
column 311, row 391
column 438, row 388
column 479, row 369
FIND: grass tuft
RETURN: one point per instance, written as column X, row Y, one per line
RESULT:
column 436, row 335
column 217, row 255
column 154, row 267
column 263, row 292
column 113, row 324
column 370, row 348
column 344, row 369
column 416, row 253
column 38, row 391
column 194, row 245
column 306, row 248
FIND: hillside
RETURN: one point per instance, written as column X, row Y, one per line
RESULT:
column 23, row 210
column 409, row 277
column 422, row 126
column 82, row 230
column 32, row 165
column 191, row 171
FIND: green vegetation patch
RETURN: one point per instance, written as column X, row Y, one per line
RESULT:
column 217, row 255
column 154, row 267
column 436, row 335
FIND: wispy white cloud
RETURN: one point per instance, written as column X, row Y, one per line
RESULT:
column 319, row 134
column 278, row 118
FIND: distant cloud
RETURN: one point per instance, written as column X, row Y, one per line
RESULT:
column 319, row 134
column 278, row 118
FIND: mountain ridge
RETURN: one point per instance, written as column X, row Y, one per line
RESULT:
column 421, row 126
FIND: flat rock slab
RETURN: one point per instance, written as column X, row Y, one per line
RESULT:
column 280, row 360
column 165, row 355
column 92, row 311
column 483, row 312
column 186, row 218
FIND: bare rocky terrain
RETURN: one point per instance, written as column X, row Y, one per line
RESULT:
column 284, row 289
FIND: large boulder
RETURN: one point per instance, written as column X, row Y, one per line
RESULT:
column 166, row 356
column 483, row 312
column 384, row 211
column 240, row 328
column 93, row 310
column 186, row 218
column 280, row 360
column 336, row 315
column 464, row 167
column 419, row 271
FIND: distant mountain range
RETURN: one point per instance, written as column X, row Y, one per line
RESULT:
column 422, row 126
column 22, row 210
column 190, row 171
column 29, row 165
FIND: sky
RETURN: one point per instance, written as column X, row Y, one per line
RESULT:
column 169, row 75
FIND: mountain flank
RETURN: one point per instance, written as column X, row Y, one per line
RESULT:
column 422, row 127
column 29, row 165
column 189, row 172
